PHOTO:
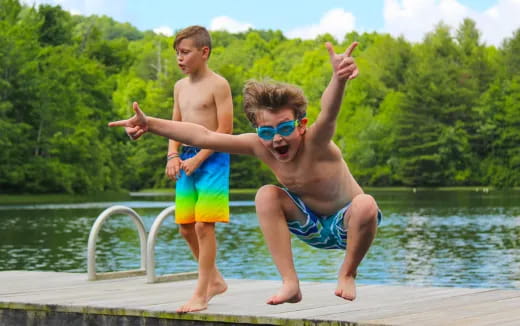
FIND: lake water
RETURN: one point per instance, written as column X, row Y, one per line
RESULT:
column 428, row 238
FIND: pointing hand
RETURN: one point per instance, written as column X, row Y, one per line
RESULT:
column 343, row 65
column 136, row 126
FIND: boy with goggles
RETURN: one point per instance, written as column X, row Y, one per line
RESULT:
column 283, row 129
column 321, row 202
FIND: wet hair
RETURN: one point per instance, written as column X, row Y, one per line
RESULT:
column 198, row 34
column 272, row 96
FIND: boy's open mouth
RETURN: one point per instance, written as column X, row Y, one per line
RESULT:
column 282, row 149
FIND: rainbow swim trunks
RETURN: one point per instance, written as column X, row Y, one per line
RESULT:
column 204, row 195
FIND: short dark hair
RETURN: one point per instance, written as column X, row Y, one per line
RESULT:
column 198, row 34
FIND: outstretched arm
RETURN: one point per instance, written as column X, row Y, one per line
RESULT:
column 187, row 133
column 343, row 69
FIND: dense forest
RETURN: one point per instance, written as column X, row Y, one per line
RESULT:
column 443, row 112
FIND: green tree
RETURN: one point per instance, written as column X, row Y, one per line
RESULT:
column 56, row 27
column 428, row 152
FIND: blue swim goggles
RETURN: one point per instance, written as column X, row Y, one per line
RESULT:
column 283, row 129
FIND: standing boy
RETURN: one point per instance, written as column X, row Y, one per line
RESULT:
column 321, row 202
column 202, row 187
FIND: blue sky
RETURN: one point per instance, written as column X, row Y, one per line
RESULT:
column 496, row 19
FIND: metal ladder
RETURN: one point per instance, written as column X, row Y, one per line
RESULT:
column 147, row 244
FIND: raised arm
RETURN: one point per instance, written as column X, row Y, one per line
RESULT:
column 343, row 69
column 187, row 133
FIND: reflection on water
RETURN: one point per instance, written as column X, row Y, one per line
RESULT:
column 449, row 238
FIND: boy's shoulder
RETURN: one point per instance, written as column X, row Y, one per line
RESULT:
column 217, row 79
column 181, row 82
column 216, row 83
column 211, row 78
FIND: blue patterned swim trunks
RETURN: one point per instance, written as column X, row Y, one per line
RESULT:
column 324, row 232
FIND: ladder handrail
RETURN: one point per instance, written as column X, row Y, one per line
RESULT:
column 150, row 244
column 94, row 231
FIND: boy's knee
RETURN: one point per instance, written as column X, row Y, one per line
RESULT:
column 267, row 193
column 186, row 230
column 204, row 229
column 269, row 202
column 366, row 208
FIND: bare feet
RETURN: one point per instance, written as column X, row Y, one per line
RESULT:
column 218, row 287
column 346, row 287
column 196, row 303
column 289, row 293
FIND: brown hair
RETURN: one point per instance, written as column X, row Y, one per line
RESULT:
column 198, row 34
column 272, row 96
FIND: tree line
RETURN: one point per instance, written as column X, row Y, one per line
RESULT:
column 442, row 112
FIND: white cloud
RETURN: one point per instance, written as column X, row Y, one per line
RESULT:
column 336, row 22
column 228, row 24
column 164, row 30
column 500, row 21
column 114, row 8
column 414, row 18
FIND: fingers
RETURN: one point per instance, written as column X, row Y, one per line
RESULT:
column 134, row 132
column 350, row 49
column 120, row 123
column 343, row 64
column 171, row 174
column 138, row 112
column 346, row 67
column 177, row 170
column 136, row 107
column 168, row 171
column 330, row 49
column 173, row 170
column 131, row 130
column 186, row 169
column 135, row 126
column 134, row 136
column 345, row 75
column 354, row 74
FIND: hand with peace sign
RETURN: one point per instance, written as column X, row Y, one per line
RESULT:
column 136, row 126
column 343, row 65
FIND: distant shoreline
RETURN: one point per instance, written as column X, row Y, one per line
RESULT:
column 10, row 199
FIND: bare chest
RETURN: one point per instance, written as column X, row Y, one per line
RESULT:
column 311, row 179
column 196, row 103
column 301, row 182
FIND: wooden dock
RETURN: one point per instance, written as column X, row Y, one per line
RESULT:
column 48, row 298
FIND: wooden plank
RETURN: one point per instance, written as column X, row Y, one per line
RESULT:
column 26, row 281
column 376, row 299
column 481, row 310
column 245, row 301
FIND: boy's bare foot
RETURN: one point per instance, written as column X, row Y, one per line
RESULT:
column 216, row 288
column 346, row 287
column 289, row 293
column 195, row 304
